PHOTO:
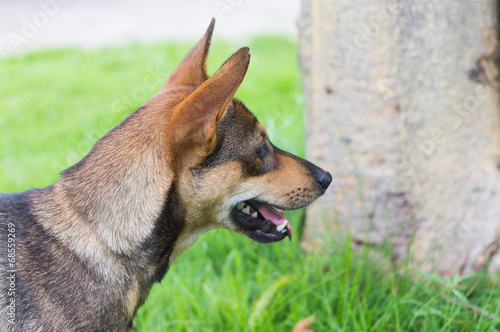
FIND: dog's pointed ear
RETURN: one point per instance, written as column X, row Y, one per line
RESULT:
column 197, row 116
column 192, row 70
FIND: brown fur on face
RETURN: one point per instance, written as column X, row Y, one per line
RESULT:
column 90, row 246
column 234, row 174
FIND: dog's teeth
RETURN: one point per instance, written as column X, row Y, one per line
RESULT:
column 254, row 215
column 283, row 230
column 282, row 226
column 240, row 205
column 246, row 210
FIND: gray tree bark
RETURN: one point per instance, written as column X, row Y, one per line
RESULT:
column 402, row 108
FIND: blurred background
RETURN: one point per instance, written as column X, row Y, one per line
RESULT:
column 93, row 23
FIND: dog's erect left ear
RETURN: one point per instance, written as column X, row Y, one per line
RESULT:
column 192, row 70
column 197, row 116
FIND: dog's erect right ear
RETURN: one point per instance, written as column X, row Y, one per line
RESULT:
column 196, row 117
column 192, row 70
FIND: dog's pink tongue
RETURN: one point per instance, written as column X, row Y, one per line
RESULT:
column 277, row 217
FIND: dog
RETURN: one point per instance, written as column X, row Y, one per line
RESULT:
column 83, row 253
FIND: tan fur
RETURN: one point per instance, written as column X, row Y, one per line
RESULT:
column 132, row 299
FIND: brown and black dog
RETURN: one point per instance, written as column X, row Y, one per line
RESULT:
column 83, row 253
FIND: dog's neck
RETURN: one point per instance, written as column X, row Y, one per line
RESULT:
column 116, row 195
column 121, row 186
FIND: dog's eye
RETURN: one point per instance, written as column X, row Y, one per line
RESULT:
column 261, row 152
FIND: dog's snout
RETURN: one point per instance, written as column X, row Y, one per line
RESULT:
column 324, row 179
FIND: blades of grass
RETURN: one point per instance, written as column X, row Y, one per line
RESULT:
column 404, row 281
column 425, row 312
column 357, row 300
column 395, row 302
column 382, row 322
column 261, row 304
column 460, row 296
column 433, row 277
column 340, row 304
column 186, row 292
column 485, row 318
column 452, row 317
column 425, row 308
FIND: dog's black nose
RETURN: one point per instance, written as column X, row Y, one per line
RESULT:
column 324, row 179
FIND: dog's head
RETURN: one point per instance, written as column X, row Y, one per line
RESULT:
column 227, row 172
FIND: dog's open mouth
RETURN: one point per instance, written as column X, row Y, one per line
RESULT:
column 262, row 222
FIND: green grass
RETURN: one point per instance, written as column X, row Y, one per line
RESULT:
column 55, row 104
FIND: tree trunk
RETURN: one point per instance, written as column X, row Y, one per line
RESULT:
column 402, row 108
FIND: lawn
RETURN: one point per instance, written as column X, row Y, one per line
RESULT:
column 55, row 104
